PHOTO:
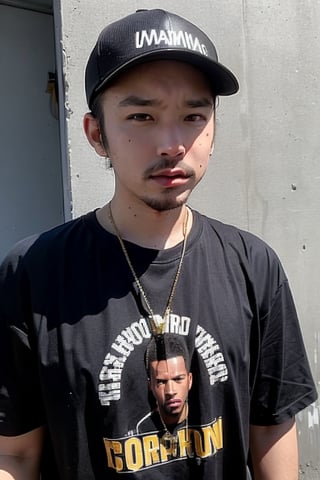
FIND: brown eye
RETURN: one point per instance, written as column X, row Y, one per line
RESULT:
column 195, row 117
column 140, row 117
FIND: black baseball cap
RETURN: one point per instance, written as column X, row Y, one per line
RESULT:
column 148, row 35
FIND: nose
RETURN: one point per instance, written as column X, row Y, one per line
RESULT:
column 170, row 142
column 169, row 390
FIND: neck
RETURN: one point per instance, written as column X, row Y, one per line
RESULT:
column 145, row 226
column 172, row 421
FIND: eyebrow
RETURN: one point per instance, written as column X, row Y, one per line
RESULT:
column 136, row 101
column 200, row 102
column 179, row 375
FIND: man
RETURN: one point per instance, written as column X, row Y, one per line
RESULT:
column 80, row 303
column 170, row 379
column 167, row 365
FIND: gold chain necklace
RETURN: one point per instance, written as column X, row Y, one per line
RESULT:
column 157, row 323
column 170, row 440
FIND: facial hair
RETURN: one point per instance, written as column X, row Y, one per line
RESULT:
column 168, row 200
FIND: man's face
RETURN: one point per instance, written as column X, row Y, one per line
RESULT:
column 159, row 123
column 170, row 383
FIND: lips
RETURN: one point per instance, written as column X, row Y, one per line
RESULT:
column 170, row 178
column 173, row 404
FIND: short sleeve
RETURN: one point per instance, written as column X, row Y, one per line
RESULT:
column 21, row 407
column 284, row 383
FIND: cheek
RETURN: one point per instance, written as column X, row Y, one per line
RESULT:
column 208, row 135
column 203, row 164
column 204, row 145
column 124, row 143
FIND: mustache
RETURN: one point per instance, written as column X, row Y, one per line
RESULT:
column 167, row 163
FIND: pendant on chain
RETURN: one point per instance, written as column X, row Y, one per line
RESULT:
column 158, row 323
column 170, row 443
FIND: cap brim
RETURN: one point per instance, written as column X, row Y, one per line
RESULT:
column 221, row 79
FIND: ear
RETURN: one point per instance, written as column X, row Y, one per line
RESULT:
column 190, row 381
column 92, row 130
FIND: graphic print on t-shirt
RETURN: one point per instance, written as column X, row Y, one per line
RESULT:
column 143, row 451
column 142, row 446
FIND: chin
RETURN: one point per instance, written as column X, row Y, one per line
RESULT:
column 165, row 204
column 173, row 415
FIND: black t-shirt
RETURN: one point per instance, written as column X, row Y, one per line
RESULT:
column 74, row 334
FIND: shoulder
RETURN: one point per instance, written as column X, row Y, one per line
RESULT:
column 40, row 248
column 243, row 249
column 232, row 237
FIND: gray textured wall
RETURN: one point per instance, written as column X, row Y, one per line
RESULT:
column 265, row 173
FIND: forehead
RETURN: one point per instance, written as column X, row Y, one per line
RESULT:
column 167, row 76
column 169, row 368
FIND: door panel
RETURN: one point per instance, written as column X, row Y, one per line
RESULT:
column 31, row 191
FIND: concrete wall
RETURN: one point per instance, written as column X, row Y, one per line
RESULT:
column 265, row 173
